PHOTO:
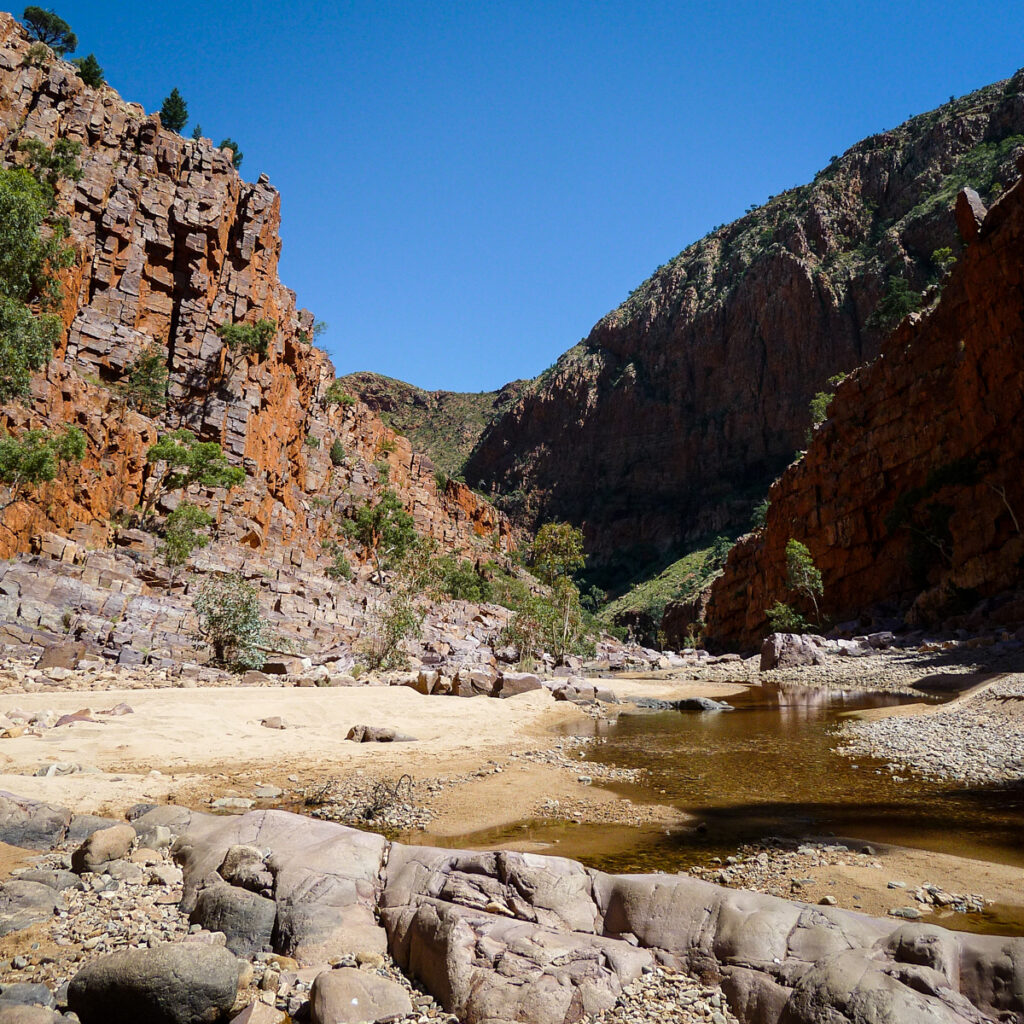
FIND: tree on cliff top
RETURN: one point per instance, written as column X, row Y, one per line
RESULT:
column 48, row 28
column 174, row 112
column 89, row 70
column 236, row 153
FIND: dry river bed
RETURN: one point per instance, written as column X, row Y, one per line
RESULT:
column 476, row 764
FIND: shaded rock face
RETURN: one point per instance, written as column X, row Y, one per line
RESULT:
column 671, row 419
column 911, row 493
column 172, row 243
column 507, row 937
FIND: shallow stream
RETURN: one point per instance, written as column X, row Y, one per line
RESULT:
column 767, row 768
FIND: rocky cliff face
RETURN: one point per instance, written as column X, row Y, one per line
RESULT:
column 911, row 495
column 671, row 419
column 172, row 243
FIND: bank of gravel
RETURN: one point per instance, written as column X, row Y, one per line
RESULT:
column 978, row 740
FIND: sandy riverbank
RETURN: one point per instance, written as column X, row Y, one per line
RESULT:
column 188, row 746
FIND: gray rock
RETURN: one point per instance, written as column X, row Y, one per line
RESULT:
column 348, row 996
column 377, row 734
column 84, row 825
column 27, row 994
column 185, row 983
column 13, row 1014
column 790, row 650
column 247, row 920
column 55, row 879
column 30, row 823
column 25, row 903
column 246, row 866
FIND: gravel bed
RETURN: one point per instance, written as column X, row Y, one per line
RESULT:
column 664, row 996
column 977, row 741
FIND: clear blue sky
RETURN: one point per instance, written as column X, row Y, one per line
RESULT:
column 468, row 186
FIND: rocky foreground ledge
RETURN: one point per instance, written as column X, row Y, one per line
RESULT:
column 494, row 938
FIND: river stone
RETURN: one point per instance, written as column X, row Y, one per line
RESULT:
column 13, row 1014
column 245, row 866
column 56, row 879
column 25, row 903
column 84, row 825
column 27, row 994
column 377, row 734
column 790, row 650
column 102, row 847
column 247, row 920
column 349, row 996
column 185, row 983
column 31, row 824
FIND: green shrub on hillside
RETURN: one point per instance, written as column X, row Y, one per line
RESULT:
column 229, row 621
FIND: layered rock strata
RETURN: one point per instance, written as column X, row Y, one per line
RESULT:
column 171, row 243
column 911, row 493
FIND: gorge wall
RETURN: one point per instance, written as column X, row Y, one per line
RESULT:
column 170, row 244
column 911, row 493
column 672, row 418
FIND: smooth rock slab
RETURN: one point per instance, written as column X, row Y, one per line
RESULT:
column 25, row 903
column 30, row 823
column 169, row 984
column 348, row 996
column 247, row 920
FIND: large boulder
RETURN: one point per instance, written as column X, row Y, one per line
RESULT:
column 350, row 996
column 102, row 847
column 790, row 650
column 189, row 983
column 247, row 920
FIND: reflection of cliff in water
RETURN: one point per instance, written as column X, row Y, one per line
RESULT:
column 768, row 768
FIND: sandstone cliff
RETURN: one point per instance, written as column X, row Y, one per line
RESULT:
column 911, row 493
column 171, row 243
column 671, row 419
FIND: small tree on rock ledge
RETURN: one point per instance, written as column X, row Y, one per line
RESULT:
column 803, row 575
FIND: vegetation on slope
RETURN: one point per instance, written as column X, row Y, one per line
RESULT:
column 444, row 424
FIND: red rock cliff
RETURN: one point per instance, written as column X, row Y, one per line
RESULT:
column 172, row 243
column 912, row 491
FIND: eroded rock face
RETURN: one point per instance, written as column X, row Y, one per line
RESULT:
column 673, row 416
column 505, row 937
column 911, row 492
column 172, row 243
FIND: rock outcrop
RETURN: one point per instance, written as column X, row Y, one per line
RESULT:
column 504, row 937
column 171, row 243
column 672, row 418
column 910, row 496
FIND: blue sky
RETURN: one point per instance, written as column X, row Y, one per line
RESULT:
column 467, row 187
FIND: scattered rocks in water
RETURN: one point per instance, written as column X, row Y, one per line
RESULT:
column 686, row 704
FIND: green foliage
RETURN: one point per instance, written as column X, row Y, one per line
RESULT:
column 783, row 619
column 184, row 533
column 174, row 112
column 339, row 568
column 49, row 164
column 550, row 623
column 145, row 386
column 392, row 620
column 802, row 575
column 943, row 259
column 459, row 580
column 337, row 395
column 229, row 621
column 440, row 481
column 38, row 56
column 899, row 300
column 24, row 207
column 197, row 132
column 820, row 403
column 48, row 28
column 383, row 530
column 320, row 327
column 243, row 340
column 337, row 452
column 89, row 70
column 26, row 345
column 182, row 461
column 36, row 457
column 312, row 442
column 387, row 446
column 759, row 516
column 236, row 153
column 557, row 552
